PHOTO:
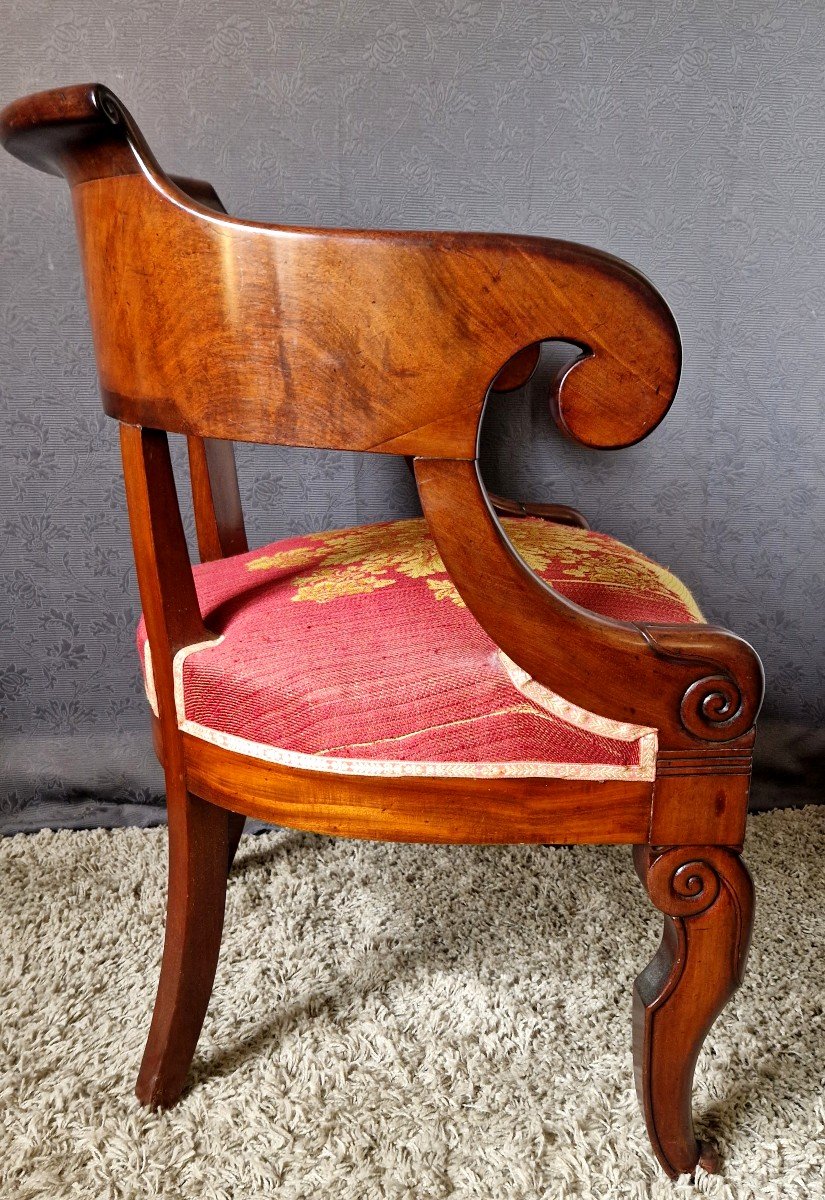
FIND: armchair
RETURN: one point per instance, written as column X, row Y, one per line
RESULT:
column 466, row 678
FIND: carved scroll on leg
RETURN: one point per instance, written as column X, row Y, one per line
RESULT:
column 706, row 895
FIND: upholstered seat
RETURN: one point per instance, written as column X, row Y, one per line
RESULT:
column 351, row 651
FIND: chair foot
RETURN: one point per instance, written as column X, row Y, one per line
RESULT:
column 198, row 855
column 236, row 824
column 706, row 895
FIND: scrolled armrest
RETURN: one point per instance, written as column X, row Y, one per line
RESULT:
column 693, row 683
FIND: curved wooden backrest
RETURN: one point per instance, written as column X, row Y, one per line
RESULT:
column 209, row 325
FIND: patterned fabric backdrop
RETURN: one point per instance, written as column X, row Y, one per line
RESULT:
column 687, row 136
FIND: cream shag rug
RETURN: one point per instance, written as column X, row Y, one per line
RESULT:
column 394, row 1021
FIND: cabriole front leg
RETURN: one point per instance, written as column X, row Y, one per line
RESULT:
column 706, row 895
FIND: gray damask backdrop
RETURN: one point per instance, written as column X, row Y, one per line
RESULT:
column 687, row 136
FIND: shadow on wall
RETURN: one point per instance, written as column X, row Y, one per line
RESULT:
column 80, row 781
column 788, row 765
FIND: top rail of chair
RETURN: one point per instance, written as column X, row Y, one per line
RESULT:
column 347, row 339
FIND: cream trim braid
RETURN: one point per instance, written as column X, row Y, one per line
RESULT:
column 618, row 731
column 643, row 772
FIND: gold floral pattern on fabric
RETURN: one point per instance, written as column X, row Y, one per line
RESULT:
column 350, row 562
column 572, row 553
column 284, row 560
column 444, row 589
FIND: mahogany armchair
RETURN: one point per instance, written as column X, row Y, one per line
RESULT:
column 459, row 679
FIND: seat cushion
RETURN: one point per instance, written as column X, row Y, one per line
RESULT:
column 351, row 651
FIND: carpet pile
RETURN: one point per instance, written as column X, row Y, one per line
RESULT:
column 395, row 1021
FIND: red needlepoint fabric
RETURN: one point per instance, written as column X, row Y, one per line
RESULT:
column 351, row 651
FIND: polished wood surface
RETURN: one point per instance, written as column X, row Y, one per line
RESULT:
column 216, row 499
column 431, row 319
column 706, row 895
column 413, row 809
column 220, row 329
column 199, row 845
column 518, row 370
column 688, row 681
column 199, row 858
column 561, row 514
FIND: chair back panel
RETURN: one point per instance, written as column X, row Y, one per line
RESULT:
column 212, row 326
column 370, row 341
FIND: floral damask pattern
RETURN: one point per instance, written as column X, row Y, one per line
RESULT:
column 687, row 136
column 355, row 562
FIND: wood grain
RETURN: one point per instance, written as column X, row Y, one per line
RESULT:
column 216, row 499
column 691, row 682
column 240, row 335
column 415, row 809
column 706, row 895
